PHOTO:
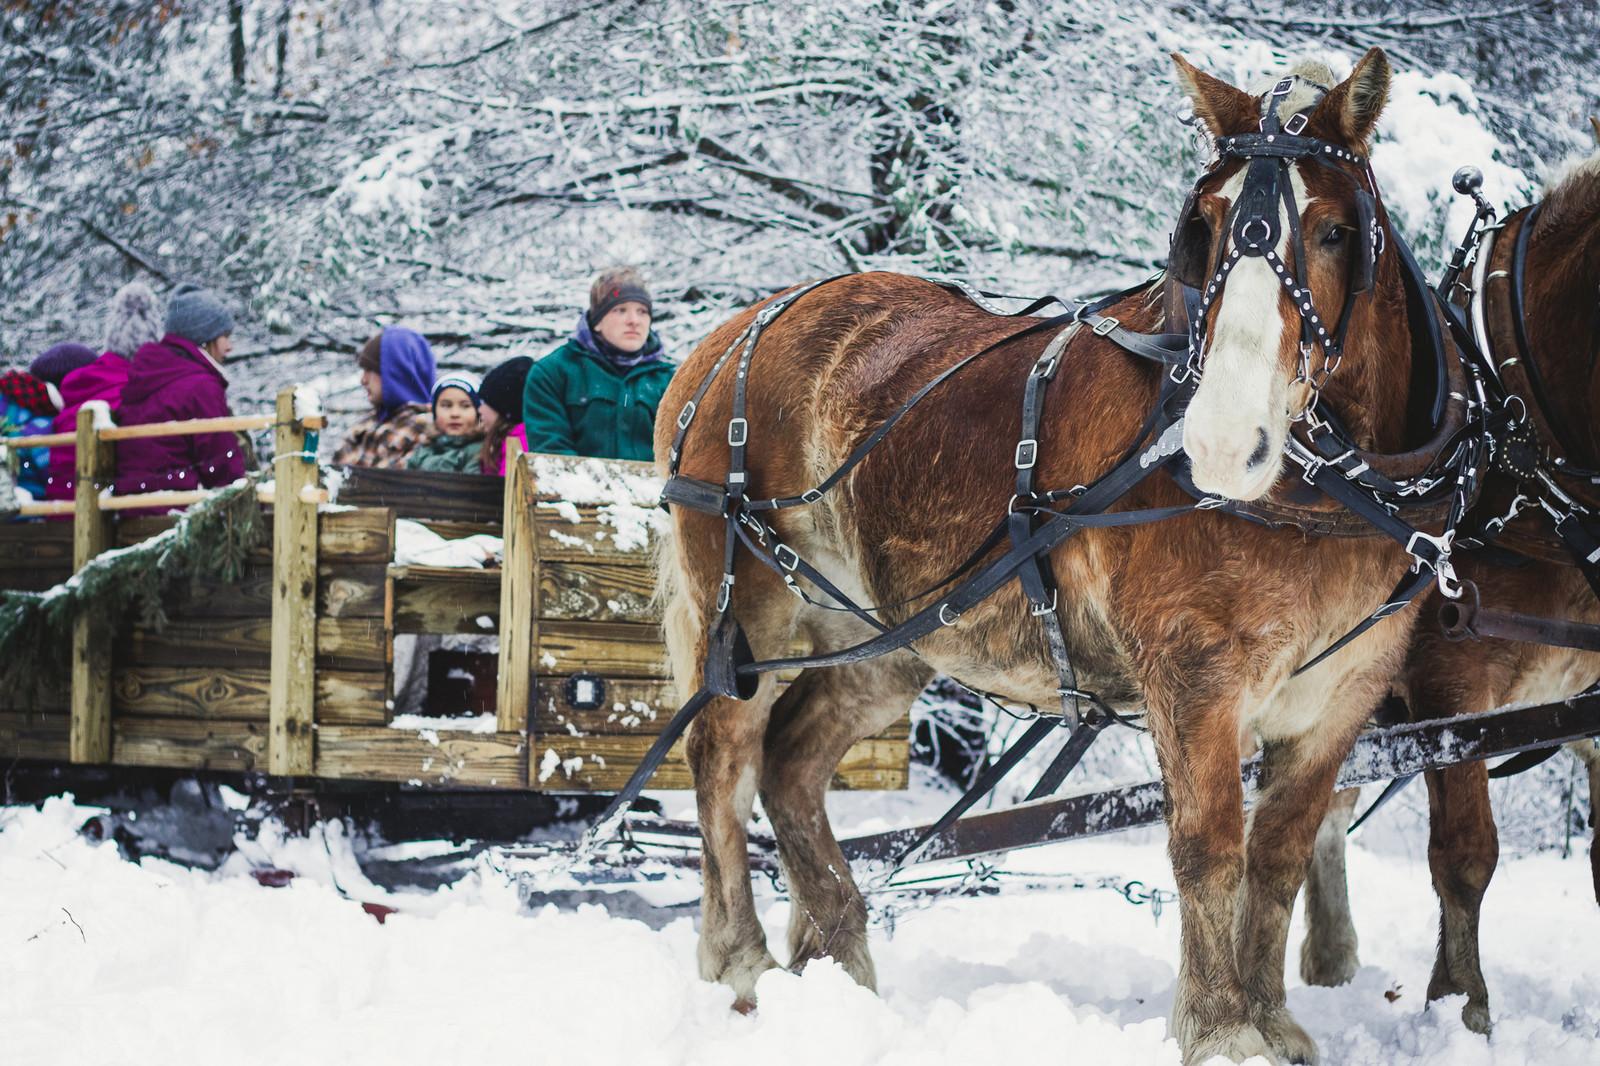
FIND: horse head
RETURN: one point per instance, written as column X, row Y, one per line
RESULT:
column 1281, row 237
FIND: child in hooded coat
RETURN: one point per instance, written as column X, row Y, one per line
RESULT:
column 174, row 379
column 397, row 370
column 27, row 405
column 456, row 448
column 133, row 320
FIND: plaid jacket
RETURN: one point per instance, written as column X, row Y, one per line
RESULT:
column 27, row 392
column 387, row 443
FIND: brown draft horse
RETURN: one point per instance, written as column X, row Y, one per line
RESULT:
column 1202, row 619
column 1443, row 678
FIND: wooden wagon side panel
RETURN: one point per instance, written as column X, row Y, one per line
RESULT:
column 35, row 556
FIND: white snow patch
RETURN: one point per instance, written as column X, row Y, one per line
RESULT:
column 469, row 723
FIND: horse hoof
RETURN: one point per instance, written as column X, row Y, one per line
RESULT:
column 1475, row 1016
column 1328, row 966
column 1236, row 1043
column 1285, row 1036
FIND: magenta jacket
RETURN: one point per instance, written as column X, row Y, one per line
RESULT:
column 174, row 380
column 102, row 379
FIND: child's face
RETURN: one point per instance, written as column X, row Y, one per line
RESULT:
column 372, row 383
column 490, row 416
column 454, row 413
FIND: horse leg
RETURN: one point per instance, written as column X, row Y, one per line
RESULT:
column 1199, row 754
column 1463, row 848
column 1328, row 953
column 1297, row 775
column 815, row 722
column 724, row 749
column 1588, row 753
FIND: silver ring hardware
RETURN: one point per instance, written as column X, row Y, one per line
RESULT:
column 950, row 621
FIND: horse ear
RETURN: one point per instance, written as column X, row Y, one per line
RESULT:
column 1355, row 103
column 1224, row 109
column 1594, row 123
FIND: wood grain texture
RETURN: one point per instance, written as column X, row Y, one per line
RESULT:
column 352, row 590
column 35, row 735
column 189, row 744
column 33, row 578
column 425, row 494
column 519, row 591
column 597, row 591
column 295, row 627
column 91, row 651
column 619, row 649
column 590, row 539
column 240, row 694
column 487, row 760
column 358, row 644
column 604, row 763
column 438, row 599
column 365, row 535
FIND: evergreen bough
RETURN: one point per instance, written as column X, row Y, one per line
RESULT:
column 212, row 540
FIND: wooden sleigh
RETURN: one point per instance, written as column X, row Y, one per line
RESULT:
column 290, row 670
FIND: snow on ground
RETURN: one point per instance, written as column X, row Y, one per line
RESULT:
column 111, row 962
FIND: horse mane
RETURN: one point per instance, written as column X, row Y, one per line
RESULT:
column 1315, row 79
column 1572, row 194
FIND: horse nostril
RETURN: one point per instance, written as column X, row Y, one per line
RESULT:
column 1258, row 456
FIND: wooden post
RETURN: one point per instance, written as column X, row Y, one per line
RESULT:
column 290, row 740
column 90, row 740
column 519, row 584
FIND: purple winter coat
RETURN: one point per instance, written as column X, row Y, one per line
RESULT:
column 102, row 379
column 174, row 380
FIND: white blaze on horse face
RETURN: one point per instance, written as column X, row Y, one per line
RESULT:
column 1236, row 425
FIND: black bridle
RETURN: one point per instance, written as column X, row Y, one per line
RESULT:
column 1253, row 230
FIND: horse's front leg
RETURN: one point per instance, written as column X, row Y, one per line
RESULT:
column 1297, row 776
column 1197, row 741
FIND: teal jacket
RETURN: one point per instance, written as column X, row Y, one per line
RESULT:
column 576, row 402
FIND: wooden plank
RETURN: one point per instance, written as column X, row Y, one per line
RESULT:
column 519, row 591
column 241, row 694
column 599, row 592
column 551, row 467
column 441, row 599
column 451, row 529
column 358, row 644
column 345, row 591
column 33, row 578
column 603, row 764
column 487, row 760
column 365, row 535
column 295, row 626
column 621, row 649
column 35, row 735
column 191, row 744
column 589, row 539
column 91, row 650
column 426, row 494
column 25, row 545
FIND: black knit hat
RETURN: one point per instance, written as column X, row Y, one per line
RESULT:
column 502, row 387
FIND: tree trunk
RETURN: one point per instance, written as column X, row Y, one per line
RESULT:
column 236, row 40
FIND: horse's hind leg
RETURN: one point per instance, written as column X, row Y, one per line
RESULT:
column 724, row 749
column 1328, row 953
column 1463, row 848
column 823, row 713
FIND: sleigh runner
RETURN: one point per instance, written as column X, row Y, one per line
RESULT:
column 289, row 669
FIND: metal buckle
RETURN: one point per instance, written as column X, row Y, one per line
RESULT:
column 686, row 415
column 1283, row 86
column 1037, row 609
column 811, row 496
column 1443, row 569
column 794, row 587
column 793, row 557
column 738, row 431
column 1210, row 503
column 1105, row 326
column 1027, row 453
column 956, row 615
column 1296, row 124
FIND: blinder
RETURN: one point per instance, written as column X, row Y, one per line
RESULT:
column 1189, row 255
column 1369, row 243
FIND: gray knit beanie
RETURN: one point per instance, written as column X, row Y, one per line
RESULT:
column 133, row 319
column 196, row 315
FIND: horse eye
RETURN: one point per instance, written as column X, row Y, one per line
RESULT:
column 1334, row 237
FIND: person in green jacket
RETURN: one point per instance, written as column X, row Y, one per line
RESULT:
column 597, row 394
column 459, row 438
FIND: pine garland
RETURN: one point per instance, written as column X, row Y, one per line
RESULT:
column 213, row 539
